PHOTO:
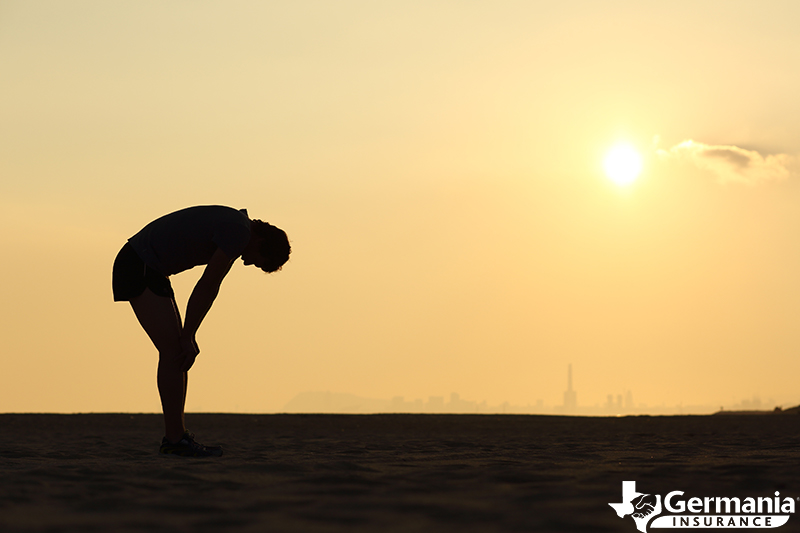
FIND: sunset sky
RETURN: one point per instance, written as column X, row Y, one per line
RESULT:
column 438, row 167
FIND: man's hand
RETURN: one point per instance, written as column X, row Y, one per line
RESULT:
column 189, row 351
column 200, row 302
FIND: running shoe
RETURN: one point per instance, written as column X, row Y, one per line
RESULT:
column 187, row 447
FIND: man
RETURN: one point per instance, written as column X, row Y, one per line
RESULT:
column 214, row 236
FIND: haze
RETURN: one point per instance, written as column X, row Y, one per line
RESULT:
column 438, row 167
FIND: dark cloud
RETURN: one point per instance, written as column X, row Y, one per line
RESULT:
column 731, row 163
column 736, row 159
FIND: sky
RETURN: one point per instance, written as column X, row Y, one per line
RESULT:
column 438, row 167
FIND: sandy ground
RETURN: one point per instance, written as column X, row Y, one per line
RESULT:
column 393, row 473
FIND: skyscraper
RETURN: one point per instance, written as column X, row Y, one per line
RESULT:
column 570, row 396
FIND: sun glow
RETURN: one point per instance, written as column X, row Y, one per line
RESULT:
column 623, row 164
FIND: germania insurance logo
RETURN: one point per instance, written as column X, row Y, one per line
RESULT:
column 676, row 511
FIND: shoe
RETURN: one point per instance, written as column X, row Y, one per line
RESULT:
column 187, row 447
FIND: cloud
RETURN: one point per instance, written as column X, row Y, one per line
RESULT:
column 731, row 163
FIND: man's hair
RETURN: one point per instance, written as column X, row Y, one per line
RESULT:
column 275, row 248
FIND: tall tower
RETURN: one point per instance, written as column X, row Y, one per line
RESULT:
column 570, row 396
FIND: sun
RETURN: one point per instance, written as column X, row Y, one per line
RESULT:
column 623, row 164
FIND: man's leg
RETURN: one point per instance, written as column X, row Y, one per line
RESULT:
column 161, row 321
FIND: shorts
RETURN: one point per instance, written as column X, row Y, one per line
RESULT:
column 131, row 276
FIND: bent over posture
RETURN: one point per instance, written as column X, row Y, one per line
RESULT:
column 211, row 235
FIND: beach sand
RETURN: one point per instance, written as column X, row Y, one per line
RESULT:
column 394, row 473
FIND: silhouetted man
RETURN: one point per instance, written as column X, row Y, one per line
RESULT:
column 211, row 235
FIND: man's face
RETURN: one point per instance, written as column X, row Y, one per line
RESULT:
column 250, row 255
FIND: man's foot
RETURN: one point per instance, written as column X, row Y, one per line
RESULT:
column 187, row 447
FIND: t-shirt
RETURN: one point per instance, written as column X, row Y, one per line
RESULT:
column 189, row 237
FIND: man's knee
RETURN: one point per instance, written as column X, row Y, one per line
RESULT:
column 170, row 356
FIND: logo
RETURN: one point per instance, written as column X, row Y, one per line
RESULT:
column 676, row 511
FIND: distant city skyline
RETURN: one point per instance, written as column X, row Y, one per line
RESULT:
column 620, row 404
column 345, row 403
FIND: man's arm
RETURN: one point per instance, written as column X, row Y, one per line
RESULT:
column 200, row 302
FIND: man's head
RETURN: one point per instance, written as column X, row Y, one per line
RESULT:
column 269, row 247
